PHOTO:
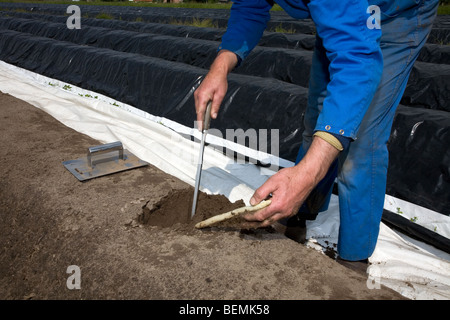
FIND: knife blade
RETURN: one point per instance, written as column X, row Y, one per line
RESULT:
column 205, row 128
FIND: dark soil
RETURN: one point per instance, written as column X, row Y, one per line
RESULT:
column 174, row 209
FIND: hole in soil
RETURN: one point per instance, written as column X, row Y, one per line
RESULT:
column 175, row 208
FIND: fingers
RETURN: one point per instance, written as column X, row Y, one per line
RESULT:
column 261, row 224
column 200, row 107
column 202, row 96
column 269, row 215
column 214, row 86
column 259, row 215
column 215, row 106
column 262, row 193
column 281, row 205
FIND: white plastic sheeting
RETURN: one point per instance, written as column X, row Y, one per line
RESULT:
column 415, row 269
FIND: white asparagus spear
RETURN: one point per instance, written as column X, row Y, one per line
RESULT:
column 230, row 214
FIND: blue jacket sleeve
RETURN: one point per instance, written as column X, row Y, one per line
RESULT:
column 247, row 22
column 355, row 63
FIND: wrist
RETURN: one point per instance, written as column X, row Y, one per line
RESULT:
column 318, row 159
column 225, row 62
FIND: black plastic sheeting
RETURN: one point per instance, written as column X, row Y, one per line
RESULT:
column 165, row 15
column 435, row 53
column 440, row 33
column 269, row 39
column 156, row 67
column 287, row 65
column 428, row 86
column 161, row 87
column 419, row 163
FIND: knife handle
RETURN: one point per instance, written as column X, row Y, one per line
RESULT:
column 207, row 116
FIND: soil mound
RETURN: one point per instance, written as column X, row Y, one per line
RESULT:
column 175, row 209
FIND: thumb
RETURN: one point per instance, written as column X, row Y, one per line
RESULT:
column 260, row 194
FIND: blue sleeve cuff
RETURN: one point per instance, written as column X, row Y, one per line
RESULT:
column 345, row 141
column 239, row 58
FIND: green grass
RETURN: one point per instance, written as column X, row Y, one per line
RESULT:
column 103, row 15
column 280, row 29
column 200, row 23
column 444, row 9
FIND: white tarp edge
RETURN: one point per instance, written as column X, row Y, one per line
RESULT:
column 416, row 270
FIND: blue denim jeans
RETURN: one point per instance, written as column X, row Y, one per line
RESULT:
column 361, row 170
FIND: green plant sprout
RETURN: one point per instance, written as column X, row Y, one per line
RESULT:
column 104, row 15
column 280, row 29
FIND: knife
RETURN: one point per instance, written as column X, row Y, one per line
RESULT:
column 205, row 128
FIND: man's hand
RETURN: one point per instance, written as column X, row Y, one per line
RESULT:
column 214, row 86
column 291, row 186
column 288, row 189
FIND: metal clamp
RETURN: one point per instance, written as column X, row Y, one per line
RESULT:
column 104, row 148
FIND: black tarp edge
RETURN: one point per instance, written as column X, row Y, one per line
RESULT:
column 416, row 231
